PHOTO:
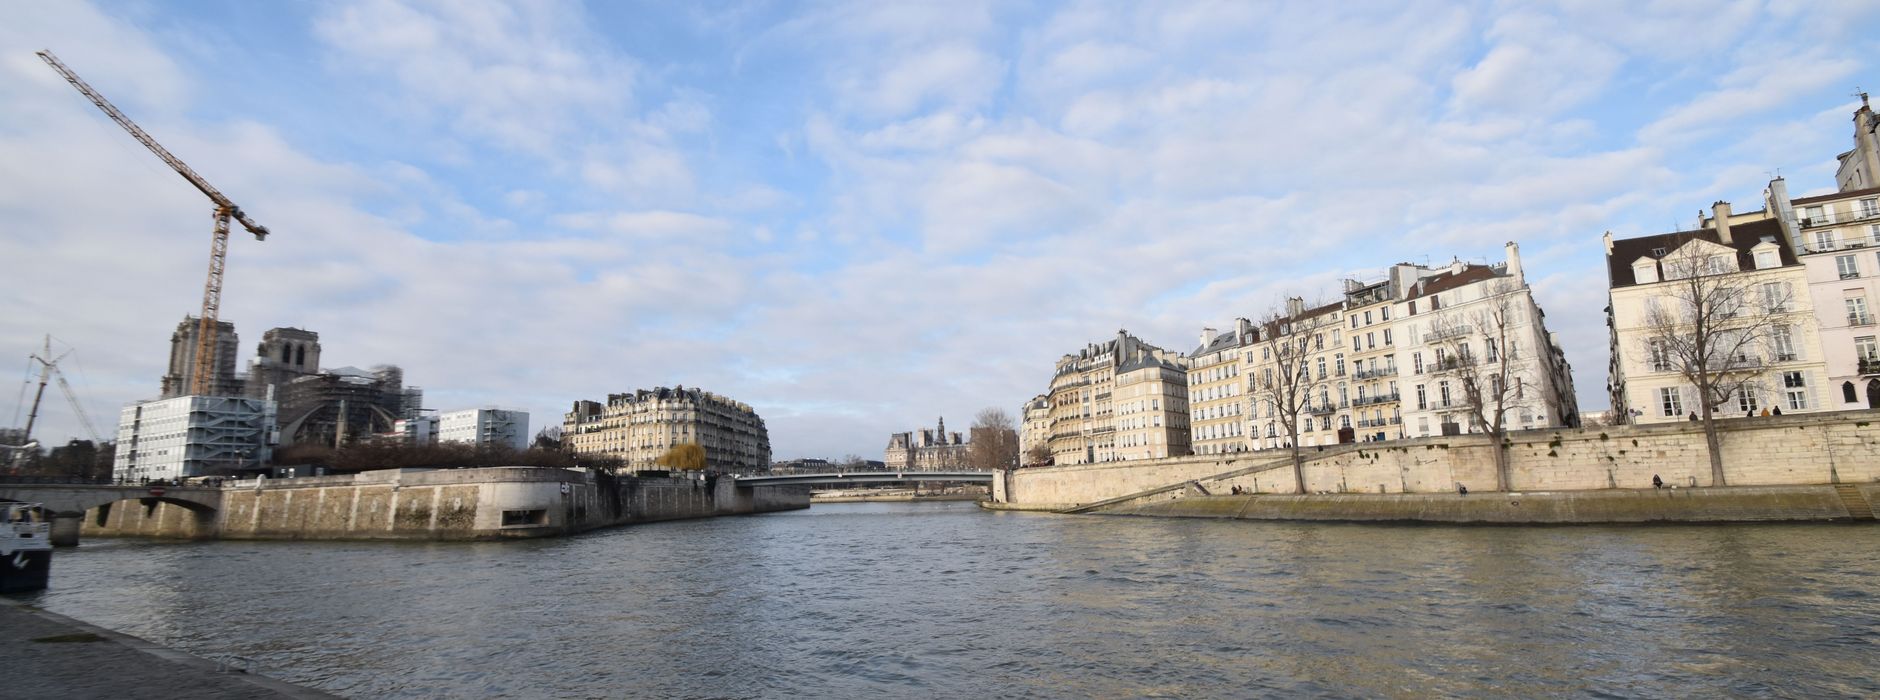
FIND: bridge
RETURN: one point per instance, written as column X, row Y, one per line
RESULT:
column 846, row 478
column 65, row 500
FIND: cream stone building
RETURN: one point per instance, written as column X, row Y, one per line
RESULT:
column 1859, row 169
column 1217, row 390
column 1035, row 431
column 641, row 426
column 1371, row 384
column 1319, row 332
column 1752, row 254
column 1481, row 322
column 1119, row 399
column 926, row 450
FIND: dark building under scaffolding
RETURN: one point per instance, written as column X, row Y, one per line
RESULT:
column 342, row 406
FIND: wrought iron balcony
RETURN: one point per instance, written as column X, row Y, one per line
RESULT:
column 1320, row 409
column 1859, row 319
column 1390, row 371
column 1869, row 365
column 1445, row 333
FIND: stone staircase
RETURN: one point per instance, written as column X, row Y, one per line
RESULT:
column 1857, row 505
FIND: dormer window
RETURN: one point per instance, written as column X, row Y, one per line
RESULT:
column 1645, row 270
column 1766, row 259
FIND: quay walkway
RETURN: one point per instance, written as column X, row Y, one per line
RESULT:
column 47, row 655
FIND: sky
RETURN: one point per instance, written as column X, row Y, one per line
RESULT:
column 857, row 216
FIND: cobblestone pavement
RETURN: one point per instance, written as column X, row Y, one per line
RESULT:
column 46, row 655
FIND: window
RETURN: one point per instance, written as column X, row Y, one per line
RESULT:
column 1869, row 207
column 1318, row 341
column 1338, row 363
column 1847, row 266
column 1416, row 361
column 1422, row 402
column 1442, row 390
column 1766, row 259
column 1490, row 346
column 1385, row 314
column 1370, row 340
column 1775, row 297
column 1321, row 368
column 1367, row 318
column 1795, row 388
column 1670, row 402
column 1824, row 240
column 1355, row 344
column 1387, row 336
column 1782, row 344
column 1814, row 216
column 1847, row 392
column 1746, row 399
column 1866, row 349
column 1857, row 312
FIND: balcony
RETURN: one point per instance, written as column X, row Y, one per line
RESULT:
column 1446, row 333
column 1853, row 243
column 1320, row 409
column 1869, row 365
column 1375, row 399
column 1859, row 319
column 1450, row 364
column 1390, row 371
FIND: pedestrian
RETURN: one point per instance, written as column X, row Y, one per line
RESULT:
column 1765, row 413
column 1657, row 483
column 1461, row 490
column 1778, row 410
column 1693, row 416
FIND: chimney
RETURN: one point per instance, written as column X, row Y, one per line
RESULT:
column 1514, row 262
column 1352, row 285
column 1243, row 328
column 1777, row 200
column 1207, row 334
column 1608, row 239
column 1720, row 213
column 1295, row 306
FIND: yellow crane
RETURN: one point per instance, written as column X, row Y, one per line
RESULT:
column 206, row 329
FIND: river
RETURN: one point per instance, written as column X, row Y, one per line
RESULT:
column 944, row 600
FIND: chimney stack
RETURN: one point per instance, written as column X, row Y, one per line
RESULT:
column 1514, row 262
column 1207, row 335
column 1295, row 306
column 1720, row 217
column 1244, row 328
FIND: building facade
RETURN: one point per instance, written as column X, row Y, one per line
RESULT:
column 1035, row 433
column 1217, row 390
column 189, row 436
column 285, row 354
column 639, row 427
column 483, row 427
column 1085, row 403
column 1859, row 169
column 1839, row 247
column 1753, row 261
column 926, row 450
column 343, row 405
column 182, row 370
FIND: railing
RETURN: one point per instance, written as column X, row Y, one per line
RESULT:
column 1859, row 320
column 1390, row 371
column 1375, row 398
column 1320, row 409
column 1443, row 333
column 1843, row 244
column 1869, row 365
column 1452, row 363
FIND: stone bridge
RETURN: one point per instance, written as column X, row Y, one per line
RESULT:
column 67, row 500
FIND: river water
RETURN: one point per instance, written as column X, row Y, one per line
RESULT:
column 944, row 600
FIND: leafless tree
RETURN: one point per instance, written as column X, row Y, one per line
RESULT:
column 994, row 443
column 1707, row 327
column 1492, row 383
column 1285, row 381
column 1039, row 455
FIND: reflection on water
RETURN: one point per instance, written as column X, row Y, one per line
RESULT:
column 943, row 600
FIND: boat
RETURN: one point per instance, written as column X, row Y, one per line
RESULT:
column 25, row 548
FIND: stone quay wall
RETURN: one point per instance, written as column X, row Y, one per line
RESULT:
column 450, row 504
column 1815, row 449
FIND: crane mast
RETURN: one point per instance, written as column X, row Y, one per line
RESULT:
column 207, row 323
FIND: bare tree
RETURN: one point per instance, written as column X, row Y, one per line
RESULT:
column 1286, row 379
column 1039, row 455
column 1706, row 328
column 994, row 443
column 1492, row 383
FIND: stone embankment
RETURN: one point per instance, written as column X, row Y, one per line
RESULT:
column 451, row 504
column 1818, row 467
column 47, row 655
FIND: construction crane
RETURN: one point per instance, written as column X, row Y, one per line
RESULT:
column 206, row 329
column 48, row 370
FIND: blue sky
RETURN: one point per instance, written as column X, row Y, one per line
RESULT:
column 859, row 216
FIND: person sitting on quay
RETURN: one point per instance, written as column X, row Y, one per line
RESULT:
column 1461, row 490
column 1657, row 483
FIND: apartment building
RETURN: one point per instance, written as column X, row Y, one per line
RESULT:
column 641, row 426
column 1035, row 432
column 1218, row 392
column 1307, row 341
column 1371, row 386
column 483, row 427
column 1839, row 248
column 1754, row 263
column 1859, row 168
column 1086, row 406
column 1479, row 325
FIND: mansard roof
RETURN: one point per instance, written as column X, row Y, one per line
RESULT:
column 1470, row 274
column 1834, row 196
column 1743, row 237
